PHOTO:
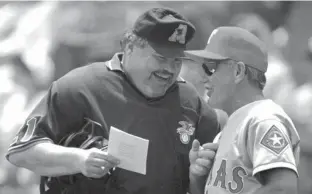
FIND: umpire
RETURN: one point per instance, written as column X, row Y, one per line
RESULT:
column 137, row 91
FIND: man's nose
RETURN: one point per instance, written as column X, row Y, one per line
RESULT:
column 207, row 84
column 206, row 78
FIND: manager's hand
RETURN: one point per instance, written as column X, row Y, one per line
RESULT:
column 202, row 157
column 95, row 163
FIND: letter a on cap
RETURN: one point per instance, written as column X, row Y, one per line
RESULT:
column 179, row 34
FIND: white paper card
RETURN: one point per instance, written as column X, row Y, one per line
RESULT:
column 129, row 149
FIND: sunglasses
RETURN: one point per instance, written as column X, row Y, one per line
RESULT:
column 210, row 67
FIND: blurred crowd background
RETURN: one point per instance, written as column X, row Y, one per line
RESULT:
column 41, row 41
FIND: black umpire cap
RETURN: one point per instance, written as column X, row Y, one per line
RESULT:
column 167, row 31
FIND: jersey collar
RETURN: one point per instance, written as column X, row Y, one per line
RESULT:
column 115, row 65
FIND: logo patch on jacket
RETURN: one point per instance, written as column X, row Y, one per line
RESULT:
column 185, row 131
column 274, row 140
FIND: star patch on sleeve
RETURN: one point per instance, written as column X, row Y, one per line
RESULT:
column 274, row 140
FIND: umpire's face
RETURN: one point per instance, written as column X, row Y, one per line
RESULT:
column 149, row 71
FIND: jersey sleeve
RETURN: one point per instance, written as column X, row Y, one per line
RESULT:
column 57, row 114
column 208, row 125
column 271, row 145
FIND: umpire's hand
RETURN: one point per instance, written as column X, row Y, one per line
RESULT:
column 95, row 163
column 201, row 157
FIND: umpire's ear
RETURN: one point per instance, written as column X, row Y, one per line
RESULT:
column 129, row 48
column 127, row 42
column 127, row 52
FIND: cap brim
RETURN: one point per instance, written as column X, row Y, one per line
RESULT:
column 171, row 51
column 202, row 55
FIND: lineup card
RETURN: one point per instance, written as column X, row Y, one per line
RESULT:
column 129, row 149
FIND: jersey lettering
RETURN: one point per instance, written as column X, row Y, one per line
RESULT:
column 234, row 186
column 31, row 126
column 179, row 34
column 221, row 174
column 237, row 179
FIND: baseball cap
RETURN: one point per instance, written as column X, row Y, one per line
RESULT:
column 229, row 42
column 167, row 31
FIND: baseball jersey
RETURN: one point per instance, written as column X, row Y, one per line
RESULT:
column 257, row 137
column 102, row 93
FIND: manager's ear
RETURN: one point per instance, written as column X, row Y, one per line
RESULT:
column 240, row 70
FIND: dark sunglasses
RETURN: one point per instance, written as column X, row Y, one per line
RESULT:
column 210, row 67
